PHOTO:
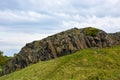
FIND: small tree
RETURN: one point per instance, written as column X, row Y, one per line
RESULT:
column 15, row 54
column 3, row 59
column 1, row 53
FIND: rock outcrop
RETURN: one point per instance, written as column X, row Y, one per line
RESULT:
column 60, row 44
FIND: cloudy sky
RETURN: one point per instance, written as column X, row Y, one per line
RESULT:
column 23, row 21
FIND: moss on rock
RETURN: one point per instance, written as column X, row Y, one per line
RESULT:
column 91, row 31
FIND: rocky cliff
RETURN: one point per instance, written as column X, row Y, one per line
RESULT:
column 60, row 44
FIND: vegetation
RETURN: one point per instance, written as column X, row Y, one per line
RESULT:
column 91, row 31
column 87, row 64
column 0, row 69
column 3, row 60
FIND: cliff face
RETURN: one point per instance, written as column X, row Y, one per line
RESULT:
column 61, row 44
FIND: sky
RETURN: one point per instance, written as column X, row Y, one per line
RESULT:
column 23, row 21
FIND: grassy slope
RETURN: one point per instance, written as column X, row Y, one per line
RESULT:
column 0, row 69
column 88, row 64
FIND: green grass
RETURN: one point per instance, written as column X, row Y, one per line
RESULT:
column 87, row 64
column 91, row 31
column 0, row 69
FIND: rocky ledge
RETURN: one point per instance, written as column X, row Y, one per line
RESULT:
column 60, row 44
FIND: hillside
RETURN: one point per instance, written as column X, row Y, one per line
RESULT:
column 87, row 64
column 61, row 44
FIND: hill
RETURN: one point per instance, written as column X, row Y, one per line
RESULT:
column 61, row 44
column 87, row 64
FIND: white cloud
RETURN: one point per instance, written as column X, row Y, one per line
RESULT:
column 108, row 24
column 114, row 2
column 17, row 40
column 21, row 16
column 23, row 21
column 42, row 4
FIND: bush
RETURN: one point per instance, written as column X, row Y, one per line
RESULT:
column 3, row 60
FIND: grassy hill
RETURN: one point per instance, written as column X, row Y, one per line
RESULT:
column 87, row 64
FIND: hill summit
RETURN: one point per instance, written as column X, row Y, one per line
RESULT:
column 60, row 44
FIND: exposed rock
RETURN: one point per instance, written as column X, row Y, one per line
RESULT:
column 116, row 38
column 61, row 44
